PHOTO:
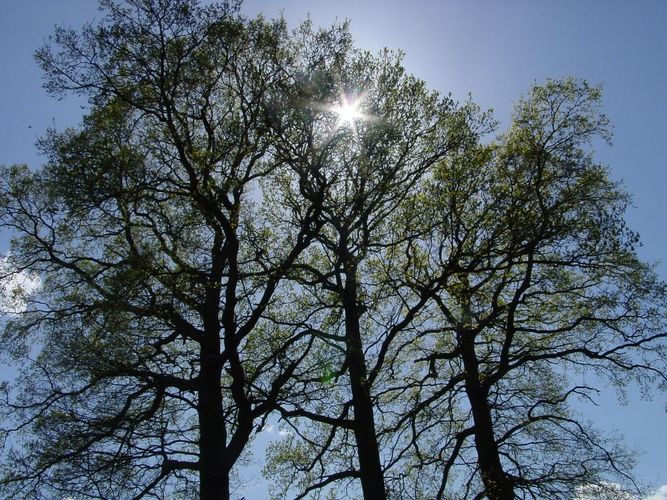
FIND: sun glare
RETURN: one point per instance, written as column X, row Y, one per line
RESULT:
column 348, row 111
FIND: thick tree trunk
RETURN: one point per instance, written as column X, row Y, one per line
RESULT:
column 213, row 472
column 498, row 484
column 370, row 467
column 214, row 466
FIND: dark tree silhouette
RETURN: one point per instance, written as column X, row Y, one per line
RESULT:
column 157, row 266
column 542, row 287
column 364, row 170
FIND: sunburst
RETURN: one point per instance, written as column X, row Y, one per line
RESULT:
column 349, row 112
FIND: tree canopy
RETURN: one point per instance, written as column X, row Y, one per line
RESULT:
column 254, row 224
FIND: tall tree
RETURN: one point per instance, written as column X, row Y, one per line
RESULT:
column 382, row 132
column 157, row 267
column 542, row 286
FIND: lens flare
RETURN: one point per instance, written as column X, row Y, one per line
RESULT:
column 348, row 111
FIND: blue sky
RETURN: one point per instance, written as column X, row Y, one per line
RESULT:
column 492, row 50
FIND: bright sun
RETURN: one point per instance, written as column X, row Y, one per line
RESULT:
column 348, row 111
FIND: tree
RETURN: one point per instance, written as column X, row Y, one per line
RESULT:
column 364, row 169
column 157, row 266
column 542, row 286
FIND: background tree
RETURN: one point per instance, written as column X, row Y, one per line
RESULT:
column 542, row 288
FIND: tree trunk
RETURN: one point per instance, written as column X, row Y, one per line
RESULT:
column 498, row 484
column 213, row 474
column 370, row 468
